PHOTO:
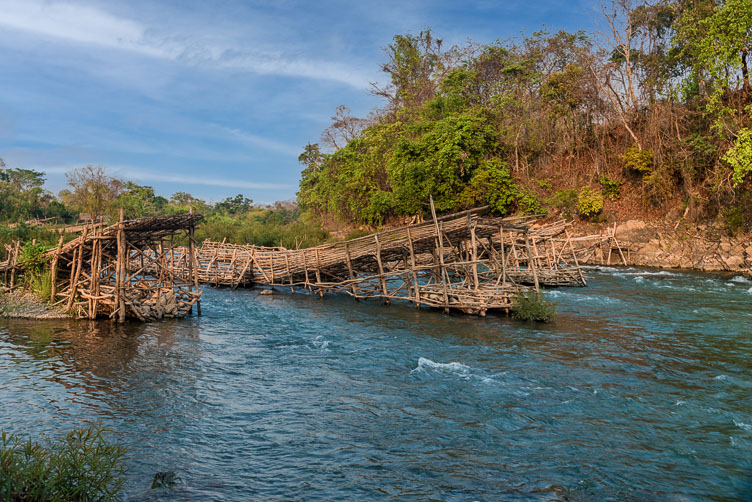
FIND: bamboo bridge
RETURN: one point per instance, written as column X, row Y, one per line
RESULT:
column 151, row 268
column 466, row 261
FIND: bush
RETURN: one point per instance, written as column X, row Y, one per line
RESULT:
column 733, row 220
column 611, row 188
column 566, row 200
column 533, row 307
column 589, row 202
column 638, row 160
column 81, row 466
column 739, row 156
column 32, row 258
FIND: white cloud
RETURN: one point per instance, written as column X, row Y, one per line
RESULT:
column 143, row 175
column 259, row 141
column 76, row 23
column 210, row 180
column 83, row 24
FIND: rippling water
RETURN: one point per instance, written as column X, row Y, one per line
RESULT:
column 640, row 390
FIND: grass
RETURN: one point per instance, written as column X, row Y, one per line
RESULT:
column 534, row 307
column 41, row 285
column 81, row 466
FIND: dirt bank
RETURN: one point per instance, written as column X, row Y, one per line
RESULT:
column 697, row 247
column 26, row 306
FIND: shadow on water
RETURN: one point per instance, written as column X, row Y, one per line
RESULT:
column 639, row 390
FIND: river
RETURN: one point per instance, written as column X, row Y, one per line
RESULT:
column 641, row 389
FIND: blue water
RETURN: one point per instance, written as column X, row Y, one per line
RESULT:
column 641, row 389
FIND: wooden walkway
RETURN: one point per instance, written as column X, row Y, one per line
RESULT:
column 468, row 262
column 465, row 261
column 120, row 271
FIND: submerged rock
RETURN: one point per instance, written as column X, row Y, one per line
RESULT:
column 166, row 479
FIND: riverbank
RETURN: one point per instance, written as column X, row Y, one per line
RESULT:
column 20, row 305
column 700, row 247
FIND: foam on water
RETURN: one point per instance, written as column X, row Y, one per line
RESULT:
column 454, row 367
column 740, row 279
column 742, row 425
column 320, row 343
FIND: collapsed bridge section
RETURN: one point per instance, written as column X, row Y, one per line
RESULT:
column 466, row 261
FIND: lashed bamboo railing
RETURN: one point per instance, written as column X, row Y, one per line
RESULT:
column 465, row 261
column 122, row 271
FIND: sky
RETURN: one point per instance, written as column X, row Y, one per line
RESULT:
column 214, row 98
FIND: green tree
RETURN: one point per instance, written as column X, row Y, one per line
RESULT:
column 234, row 205
column 140, row 201
column 21, row 194
column 93, row 191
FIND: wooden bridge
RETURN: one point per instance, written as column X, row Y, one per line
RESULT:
column 120, row 271
column 465, row 261
column 468, row 261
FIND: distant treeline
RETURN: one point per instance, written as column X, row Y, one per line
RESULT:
column 93, row 195
column 658, row 112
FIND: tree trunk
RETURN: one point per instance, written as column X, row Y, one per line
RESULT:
column 745, row 71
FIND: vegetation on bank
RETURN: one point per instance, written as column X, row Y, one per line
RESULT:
column 83, row 465
column 28, row 213
column 654, row 119
column 655, row 116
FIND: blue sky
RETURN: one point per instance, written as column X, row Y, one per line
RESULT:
column 207, row 97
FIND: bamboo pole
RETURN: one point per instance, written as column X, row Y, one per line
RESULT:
column 474, row 253
column 503, row 256
column 318, row 273
column 350, row 269
column 416, row 286
column 289, row 273
column 574, row 257
column 53, row 270
column 121, row 269
column 382, row 282
column 531, row 263
column 445, row 278
column 193, row 266
column 79, row 265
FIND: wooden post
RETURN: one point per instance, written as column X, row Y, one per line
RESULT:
column 416, row 286
column 318, row 272
column 623, row 260
column 382, row 282
column 474, row 254
column 79, row 265
column 193, row 264
column 503, row 256
column 121, row 268
column 531, row 263
column 53, row 270
column 574, row 257
column 289, row 273
column 350, row 270
column 93, row 278
column 14, row 262
column 305, row 268
column 444, row 275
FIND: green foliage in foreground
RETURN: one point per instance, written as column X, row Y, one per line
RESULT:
column 81, row 466
column 534, row 307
